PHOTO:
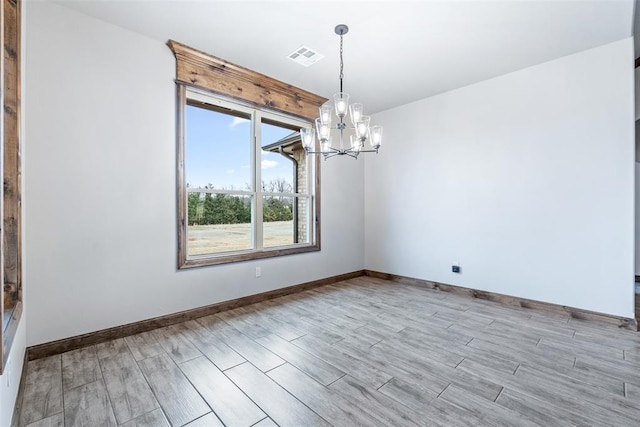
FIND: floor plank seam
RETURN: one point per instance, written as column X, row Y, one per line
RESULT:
column 337, row 379
column 387, row 382
column 516, row 370
column 445, row 389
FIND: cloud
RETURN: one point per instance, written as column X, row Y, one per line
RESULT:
column 230, row 171
column 237, row 121
column 267, row 164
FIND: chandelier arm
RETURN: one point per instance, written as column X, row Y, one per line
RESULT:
column 330, row 155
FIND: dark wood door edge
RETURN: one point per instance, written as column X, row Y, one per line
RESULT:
column 637, row 62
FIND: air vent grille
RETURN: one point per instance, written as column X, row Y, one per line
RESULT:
column 305, row 56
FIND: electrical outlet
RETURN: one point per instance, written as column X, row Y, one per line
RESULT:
column 258, row 272
column 455, row 268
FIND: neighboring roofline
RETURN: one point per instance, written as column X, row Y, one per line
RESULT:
column 287, row 141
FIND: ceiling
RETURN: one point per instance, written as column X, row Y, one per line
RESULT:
column 395, row 52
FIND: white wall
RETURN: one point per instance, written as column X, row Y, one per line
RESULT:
column 100, row 186
column 526, row 180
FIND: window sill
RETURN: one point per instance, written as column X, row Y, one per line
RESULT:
column 248, row 256
column 10, row 321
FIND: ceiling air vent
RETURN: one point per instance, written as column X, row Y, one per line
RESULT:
column 305, row 56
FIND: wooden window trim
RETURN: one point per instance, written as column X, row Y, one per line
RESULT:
column 202, row 70
column 199, row 70
column 11, row 204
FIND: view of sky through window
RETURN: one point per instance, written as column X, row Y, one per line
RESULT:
column 218, row 151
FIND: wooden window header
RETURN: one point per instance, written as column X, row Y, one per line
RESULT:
column 205, row 71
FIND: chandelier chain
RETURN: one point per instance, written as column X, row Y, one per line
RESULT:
column 341, row 64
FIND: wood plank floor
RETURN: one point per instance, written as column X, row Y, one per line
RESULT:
column 364, row 352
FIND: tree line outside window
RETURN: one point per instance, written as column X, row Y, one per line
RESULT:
column 223, row 208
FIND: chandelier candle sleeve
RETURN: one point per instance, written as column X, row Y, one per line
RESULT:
column 356, row 145
column 376, row 136
column 324, row 130
column 355, row 111
column 325, row 113
column 360, row 132
column 362, row 127
column 307, row 135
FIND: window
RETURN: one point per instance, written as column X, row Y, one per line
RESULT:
column 246, row 188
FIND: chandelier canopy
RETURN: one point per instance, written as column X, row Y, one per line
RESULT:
column 360, row 130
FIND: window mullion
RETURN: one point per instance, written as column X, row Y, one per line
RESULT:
column 256, row 154
column 311, row 200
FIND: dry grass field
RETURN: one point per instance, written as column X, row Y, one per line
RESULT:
column 207, row 239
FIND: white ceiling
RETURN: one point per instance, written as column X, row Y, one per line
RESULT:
column 396, row 51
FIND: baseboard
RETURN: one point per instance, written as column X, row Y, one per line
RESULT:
column 79, row 341
column 97, row 337
column 620, row 322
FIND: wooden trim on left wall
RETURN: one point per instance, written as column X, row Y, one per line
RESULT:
column 66, row 344
column 10, row 155
column 15, row 418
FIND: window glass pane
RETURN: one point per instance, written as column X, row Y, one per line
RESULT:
column 218, row 148
column 278, row 226
column 278, row 170
column 285, row 220
column 218, row 223
column 284, row 170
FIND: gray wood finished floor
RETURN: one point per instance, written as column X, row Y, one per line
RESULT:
column 362, row 352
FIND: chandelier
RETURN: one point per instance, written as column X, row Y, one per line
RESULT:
column 360, row 132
